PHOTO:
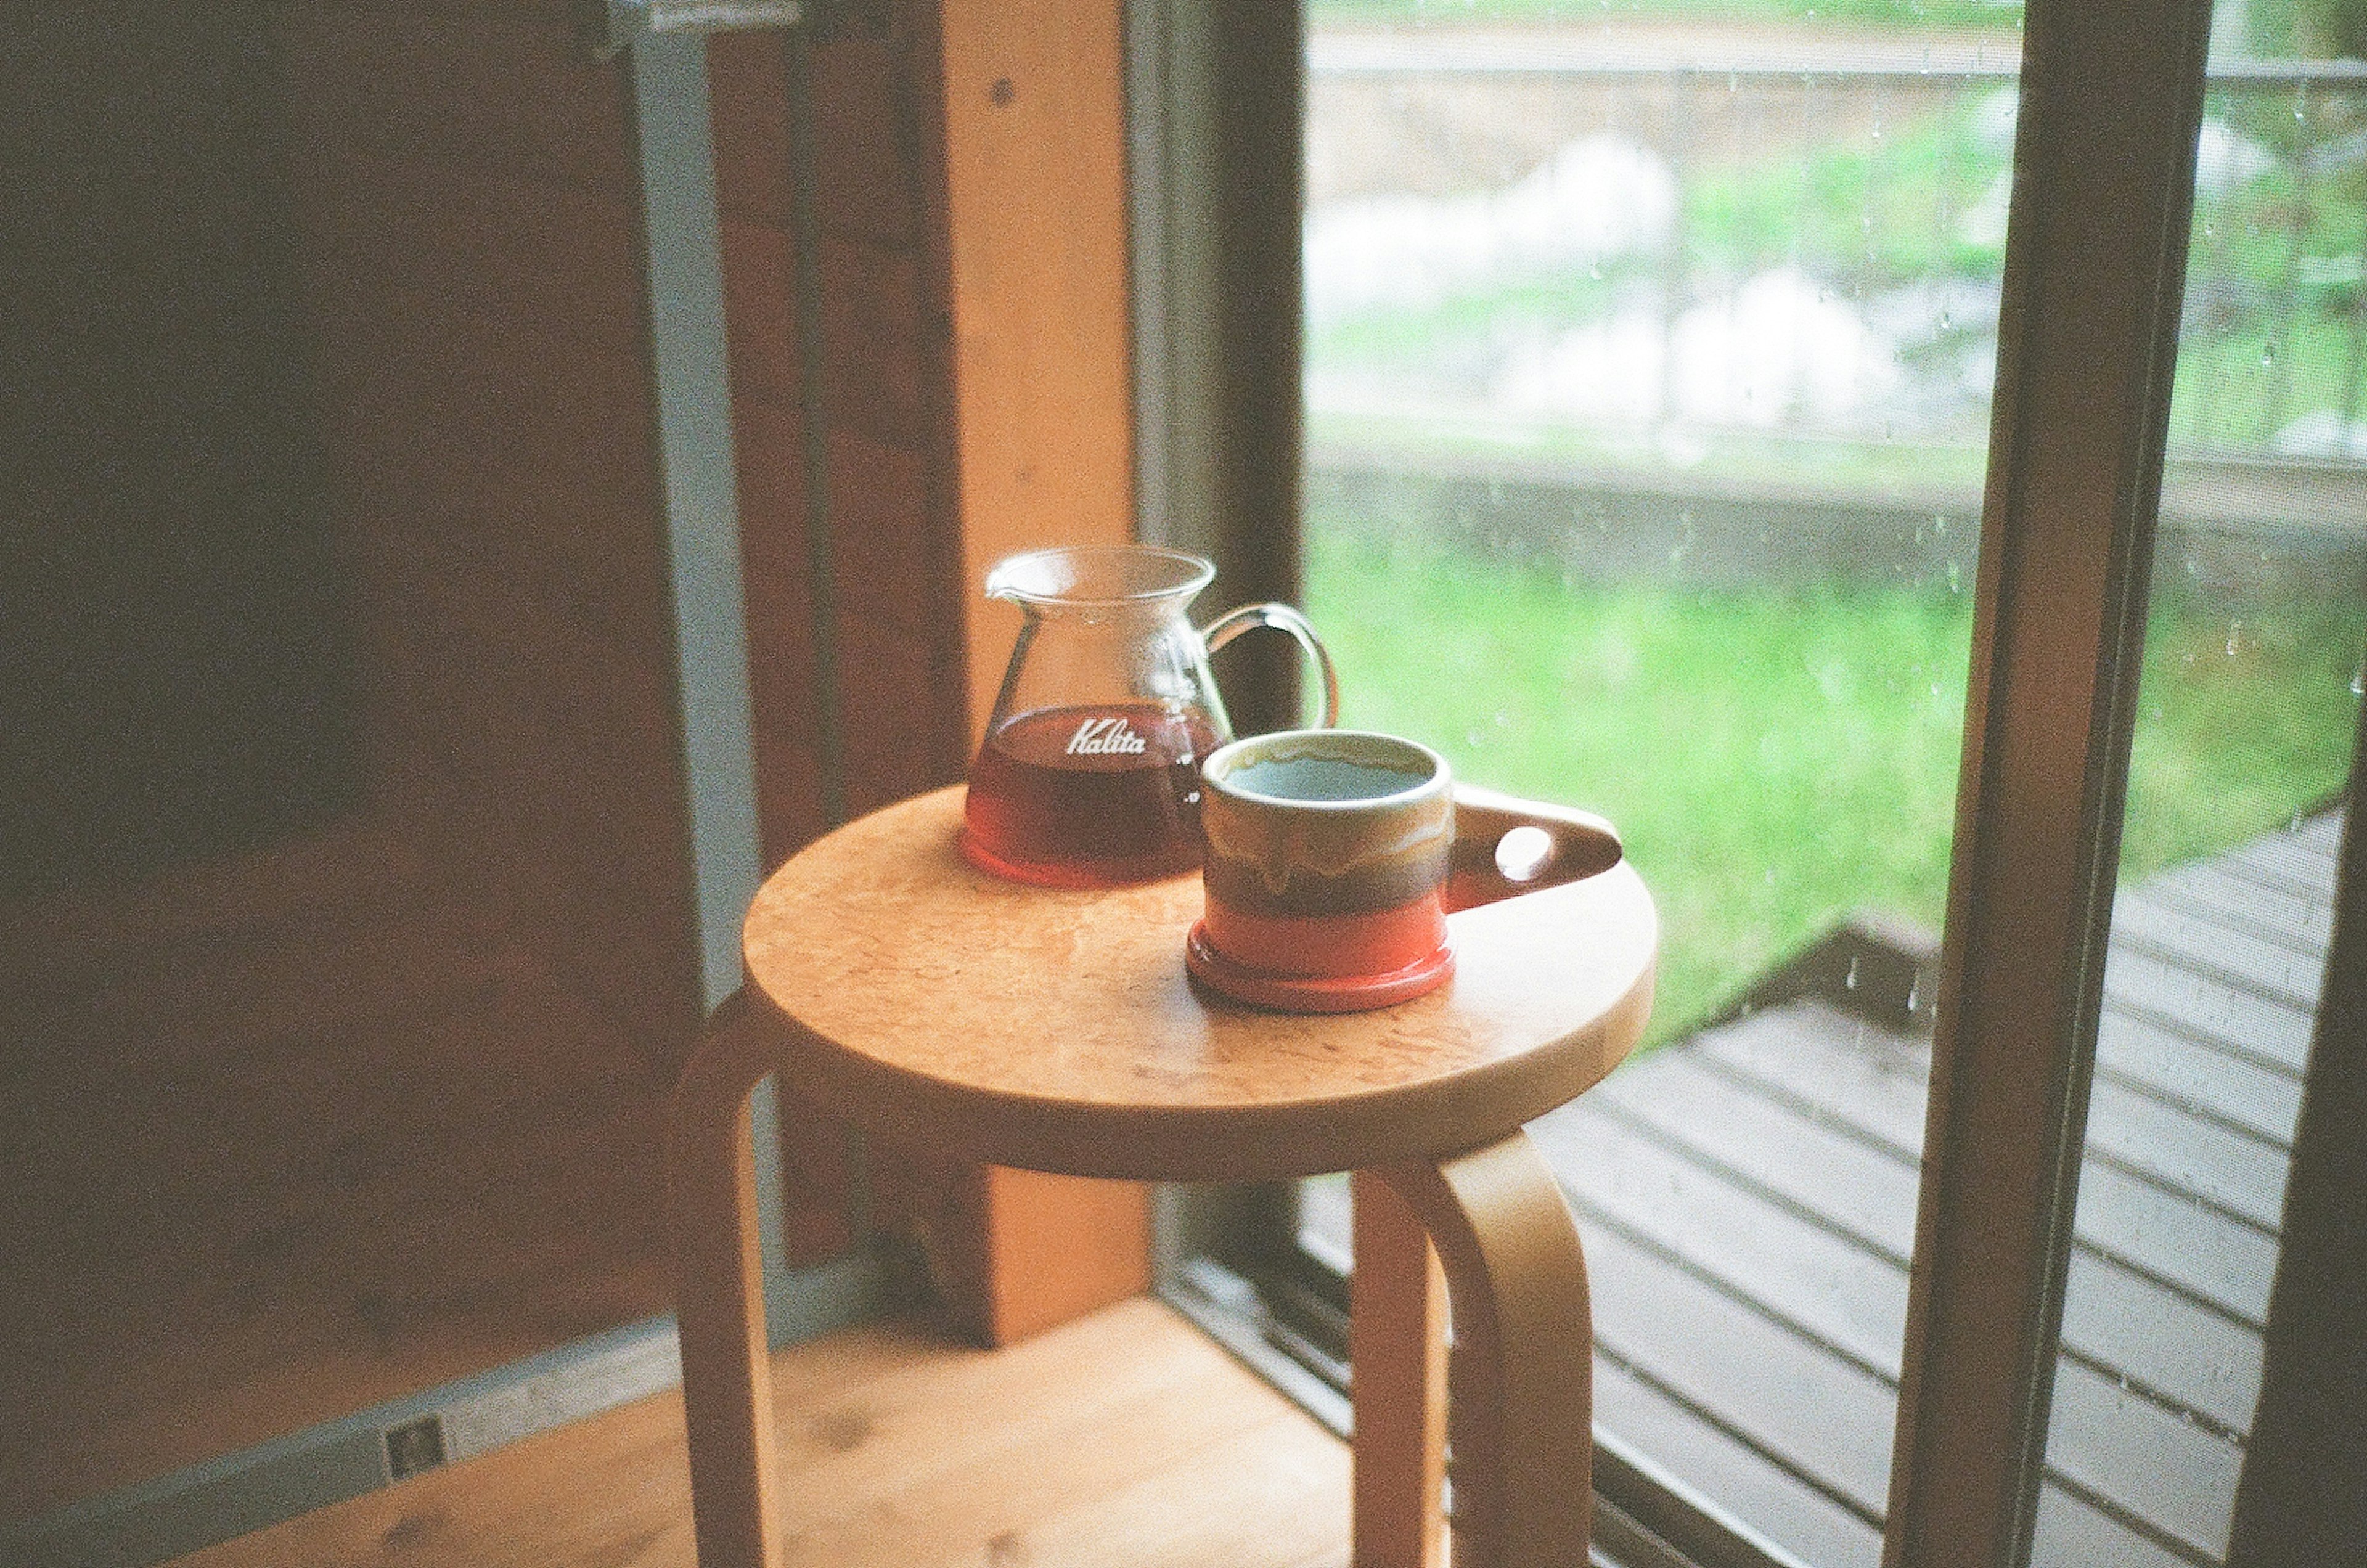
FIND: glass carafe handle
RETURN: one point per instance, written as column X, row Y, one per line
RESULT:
column 1233, row 623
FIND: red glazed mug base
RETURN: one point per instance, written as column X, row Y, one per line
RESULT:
column 1291, row 993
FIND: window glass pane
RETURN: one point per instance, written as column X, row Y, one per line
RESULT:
column 1647, row 367
column 2247, row 712
column 1647, row 371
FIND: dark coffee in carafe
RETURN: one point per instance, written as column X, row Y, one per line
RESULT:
column 1090, row 796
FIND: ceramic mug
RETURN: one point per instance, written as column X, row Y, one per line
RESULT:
column 1326, row 854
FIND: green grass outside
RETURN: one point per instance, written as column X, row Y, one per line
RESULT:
column 1774, row 758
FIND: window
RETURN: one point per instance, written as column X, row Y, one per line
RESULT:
column 1646, row 403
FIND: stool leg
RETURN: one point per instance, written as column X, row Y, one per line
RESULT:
column 1522, row 1383
column 727, row 1373
column 1396, row 1353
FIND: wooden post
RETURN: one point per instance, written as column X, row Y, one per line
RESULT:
column 1397, row 1339
column 719, row 1290
column 1036, row 204
column 1522, row 1394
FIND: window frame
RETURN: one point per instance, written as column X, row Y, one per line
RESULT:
column 2096, row 242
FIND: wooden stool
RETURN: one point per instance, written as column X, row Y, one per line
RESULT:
column 920, row 1000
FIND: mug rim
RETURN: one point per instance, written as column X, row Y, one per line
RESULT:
column 1215, row 769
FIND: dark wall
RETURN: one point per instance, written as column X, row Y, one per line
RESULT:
column 339, row 1005
column 172, row 613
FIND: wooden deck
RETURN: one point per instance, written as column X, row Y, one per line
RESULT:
column 1748, row 1202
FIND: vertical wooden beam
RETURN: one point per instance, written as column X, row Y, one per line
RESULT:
column 1397, row 1349
column 1060, row 1247
column 2095, row 261
column 1036, row 186
column 1034, row 200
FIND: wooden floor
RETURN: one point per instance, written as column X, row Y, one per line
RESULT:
column 1127, row 1438
column 1747, row 1204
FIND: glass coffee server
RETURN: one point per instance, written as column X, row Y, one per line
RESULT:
column 1749, row 421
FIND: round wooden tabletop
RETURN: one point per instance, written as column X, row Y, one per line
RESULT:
column 935, row 1005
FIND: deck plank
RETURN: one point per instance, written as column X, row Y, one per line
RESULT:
column 2304, row 921
column 1819, row 1056
column 2206, row 947
column 2121, row 1446
column 1869, row 1194
column 1749, row 1199
column 1829, row 1419
column 2304, row 858
column 2243, row 1022
column 2179, row 1068
column 2072, row 1534
column 2186, row 1154
column 1790, row 1051
column 1851, row 1298
column 1854, row 1300
column 1769, row 1499
column 2201, row 1358
column 2169, row 1238
column 2322, row 833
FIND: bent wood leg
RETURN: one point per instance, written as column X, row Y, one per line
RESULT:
column 1397, row 1360
column 1521, row 1396
column 727, row 1374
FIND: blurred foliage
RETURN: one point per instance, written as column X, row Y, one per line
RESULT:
column 2001, row 14
column 2306, row 30
column 1884, row 209
column 2303, row 29
column 2276, row 305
